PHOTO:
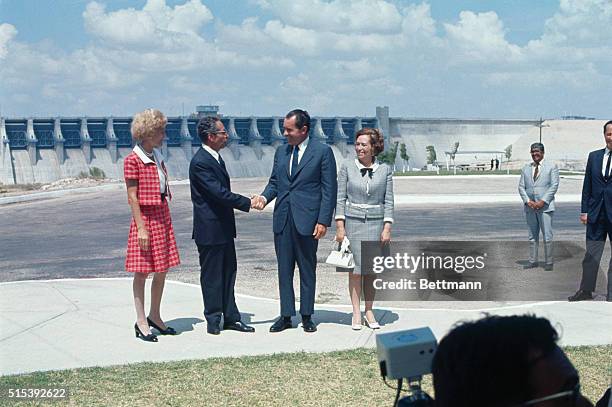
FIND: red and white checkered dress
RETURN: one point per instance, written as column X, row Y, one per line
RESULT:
column 163, row 252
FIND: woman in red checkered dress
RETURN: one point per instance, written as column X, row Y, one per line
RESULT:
column 151, row 243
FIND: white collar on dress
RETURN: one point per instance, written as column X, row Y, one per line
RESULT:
column 374, row 166
column 143, row 157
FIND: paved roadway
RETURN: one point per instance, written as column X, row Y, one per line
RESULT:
column 85, row 235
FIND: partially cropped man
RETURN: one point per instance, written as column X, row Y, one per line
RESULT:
column 596, row 213
column 505, row 361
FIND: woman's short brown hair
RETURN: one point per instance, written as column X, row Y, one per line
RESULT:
column 147, row 122
column 376, row 139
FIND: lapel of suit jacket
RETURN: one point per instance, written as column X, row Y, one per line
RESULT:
column 216, row 165
column 599, row 163
column 528, row 173
column 308, row 154
column 286, row 159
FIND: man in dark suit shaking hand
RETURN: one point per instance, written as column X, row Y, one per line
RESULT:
column 214, row 227
column 303, row 181
column 596, row 213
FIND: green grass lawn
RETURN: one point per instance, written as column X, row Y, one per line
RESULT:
column 347, row 378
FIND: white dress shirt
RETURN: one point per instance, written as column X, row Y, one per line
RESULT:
column 533, row 167
column 212, row 152
column 302, row 147
column 605, row 161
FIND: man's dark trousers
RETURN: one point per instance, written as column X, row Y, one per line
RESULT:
column 596, row 234
column 217, row 279
column 291, row 247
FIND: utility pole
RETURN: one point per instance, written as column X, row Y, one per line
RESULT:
column 540, row 125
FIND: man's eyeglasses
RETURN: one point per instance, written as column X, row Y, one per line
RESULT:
column 571, row 395
column 219, row 132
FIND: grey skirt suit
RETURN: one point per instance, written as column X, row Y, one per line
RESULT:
column 364, row 203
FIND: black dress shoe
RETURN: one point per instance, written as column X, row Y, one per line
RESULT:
column 308, row 325
column 238, row 326
column 167, row 331
column 281, row 324
column 213, row 329
column 580, row 295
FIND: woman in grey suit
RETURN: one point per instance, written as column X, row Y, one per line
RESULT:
column 364, row 211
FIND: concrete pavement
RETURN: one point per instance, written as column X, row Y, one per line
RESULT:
column 487, row 191
column 79, row 322
column 71, row 323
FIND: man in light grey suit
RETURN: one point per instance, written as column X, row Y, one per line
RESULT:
column 537, row 187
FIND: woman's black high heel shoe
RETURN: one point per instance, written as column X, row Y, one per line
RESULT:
column 167, row 331
column 147, row 338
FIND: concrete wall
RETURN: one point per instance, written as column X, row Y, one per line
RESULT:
column 101, row 158
column 472, row 135
column 7, row 175
column 567, row 143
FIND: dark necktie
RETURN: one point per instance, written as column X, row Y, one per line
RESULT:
column 294, row 160
column 369, row 171
column 222, row 163
column 536, row 171
column 607, row 176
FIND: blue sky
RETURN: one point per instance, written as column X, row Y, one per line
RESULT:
column 437, row 58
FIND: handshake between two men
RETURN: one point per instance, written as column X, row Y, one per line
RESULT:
column 259, row 202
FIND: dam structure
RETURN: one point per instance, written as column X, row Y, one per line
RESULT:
column 43, row 150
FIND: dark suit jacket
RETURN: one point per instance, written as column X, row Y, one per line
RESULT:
column 213, row 201
column 310, row 193
column 596, row 192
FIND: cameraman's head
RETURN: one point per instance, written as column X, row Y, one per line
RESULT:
column 504, row 361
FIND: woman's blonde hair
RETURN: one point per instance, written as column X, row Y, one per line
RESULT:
column 147, row 122
column 376, row 139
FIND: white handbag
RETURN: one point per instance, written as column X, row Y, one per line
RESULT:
column 341, row 255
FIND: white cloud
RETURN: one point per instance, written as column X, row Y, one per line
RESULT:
column 386, row 86
column 574, row 51
column 417, row 20
column 310, row 42
column 480, row 37
column 340, row 16
column 581, row 22
column 359, row 69
column 155, row 23
column 335, row 56
column 7, row 33
column 579, row 31
column 244, row 36
column 296, row 35
column 304, row 41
